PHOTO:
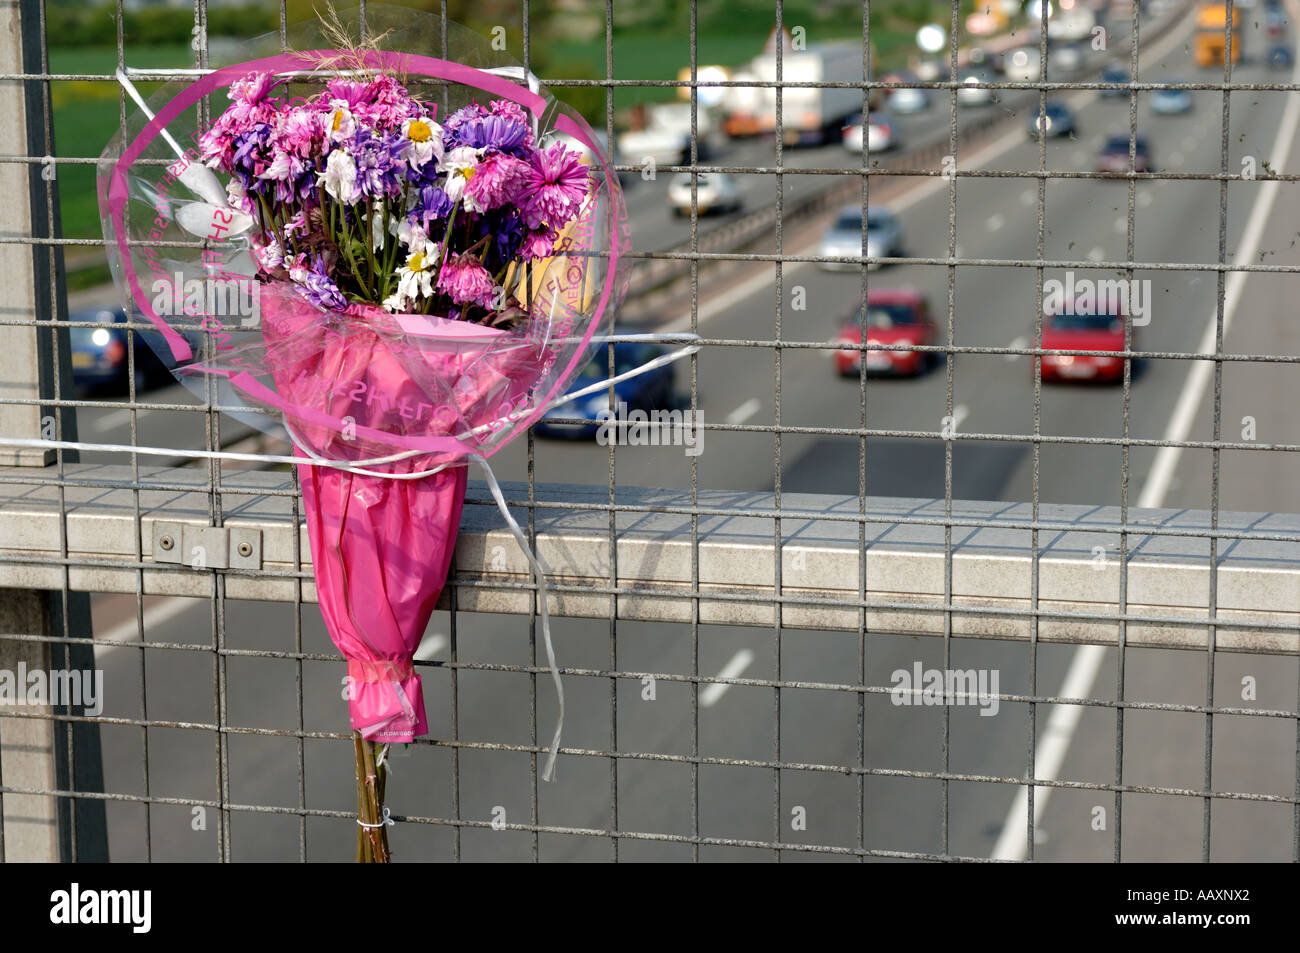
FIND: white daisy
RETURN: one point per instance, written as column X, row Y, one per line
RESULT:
column 340, row 124
column 459, row 164
column 423, row 141
column 415, row 278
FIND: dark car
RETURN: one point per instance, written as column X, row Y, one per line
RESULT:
column 99, row 354
column 652, row 390
column 1115, row 73
column 895, row 318
column 1076, row 331
column 1114, row 155
column 1055, row 119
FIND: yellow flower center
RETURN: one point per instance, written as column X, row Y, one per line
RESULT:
column 417, row 262
column 467, row 172
column 338, row 119
column 419, row 131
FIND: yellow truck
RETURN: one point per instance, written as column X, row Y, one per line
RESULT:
column 1210, row 34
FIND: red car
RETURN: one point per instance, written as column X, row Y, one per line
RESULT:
column 1069, row 331
column 894, row 317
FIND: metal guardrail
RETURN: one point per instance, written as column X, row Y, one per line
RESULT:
column 727, row 577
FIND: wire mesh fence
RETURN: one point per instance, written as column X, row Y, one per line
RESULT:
column 983, row 474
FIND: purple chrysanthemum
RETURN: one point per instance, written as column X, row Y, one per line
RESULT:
column 507, row 231
column 251, row 156
column 432, row 204
column 463, row 115
column 381, row 170
column 554, row 187
column 497, row 133
column 464, row 279
column 315, row 284
column 514, row 112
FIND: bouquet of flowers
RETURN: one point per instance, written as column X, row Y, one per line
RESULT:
column 361, row 197
column 408, row 282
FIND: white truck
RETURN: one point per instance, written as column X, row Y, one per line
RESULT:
column 809, row 114
column 666, row 138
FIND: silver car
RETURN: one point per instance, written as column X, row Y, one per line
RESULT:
column 844, row 238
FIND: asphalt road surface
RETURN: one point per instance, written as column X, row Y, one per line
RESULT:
column 996, row 219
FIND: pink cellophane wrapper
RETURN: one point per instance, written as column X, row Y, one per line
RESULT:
column 381, row 547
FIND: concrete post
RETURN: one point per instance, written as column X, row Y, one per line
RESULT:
column 27, row 745
column 38, row 753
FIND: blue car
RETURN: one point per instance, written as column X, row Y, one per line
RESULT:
column 1055, row 119
column 1281, row 57
column 1171, row 102
column 1115, row 73
column 651, row 390
column 99, row 354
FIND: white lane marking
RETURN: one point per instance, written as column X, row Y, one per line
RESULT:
column 733, row 669
column 1021, row 341
column 1097, row 254
column 1175, row 158
column 431, row 646
column 746, row 410
column 1198, row 378
column 1013, row 844
column 160, row 612
column 995, row 222
column 1053, row 743
column 111, row 420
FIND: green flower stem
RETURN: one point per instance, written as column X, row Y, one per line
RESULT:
column 347, row 251
column 368, row 241
column 446, row 236
column 275, row 226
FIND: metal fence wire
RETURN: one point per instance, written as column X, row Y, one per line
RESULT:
column 974, row 614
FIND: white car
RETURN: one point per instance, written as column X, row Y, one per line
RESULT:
column 880, row 135
column 1068, row 57
column 714, row 192
column 907, row 101
column 973, row 92
column 844, row 238
column 1024, row 65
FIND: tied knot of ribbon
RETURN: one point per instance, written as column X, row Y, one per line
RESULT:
column 388, row 820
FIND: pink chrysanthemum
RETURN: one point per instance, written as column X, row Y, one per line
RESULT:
column 537, row 244
column 496, row 181
column 464, row 279
column 554, row 187
column 250, row 105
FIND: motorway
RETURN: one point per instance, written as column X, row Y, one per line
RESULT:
column 996, row 219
